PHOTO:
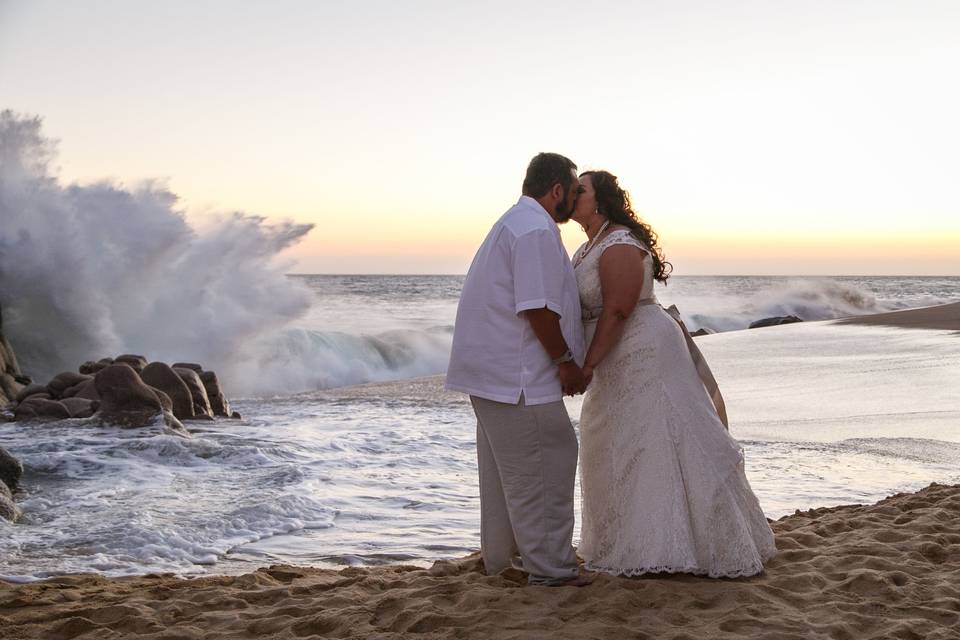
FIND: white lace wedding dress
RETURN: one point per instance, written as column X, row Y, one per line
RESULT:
column 662, row 481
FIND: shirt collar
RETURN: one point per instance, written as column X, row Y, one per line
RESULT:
column 533, row 204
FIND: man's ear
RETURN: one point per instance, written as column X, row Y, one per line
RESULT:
column 557, row 191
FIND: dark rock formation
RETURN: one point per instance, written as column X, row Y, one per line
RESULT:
column 188, row 365
column 124, row 398
column 218, row 401
column 30, row 390
column 91, row 368
column 11, row 378
column 159, row 376
column 64, row 381
column 10, row 470
column 37, row 408
column 86, row 390
column 137, row 363
column 8, row 510
column 771, row 322
column 165, row 401
column 201, row 403
column 80, row 407
column 702, row 332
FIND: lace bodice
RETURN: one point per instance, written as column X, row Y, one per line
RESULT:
column 588, row 270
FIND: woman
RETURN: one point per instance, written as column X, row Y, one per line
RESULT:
column 663, row 483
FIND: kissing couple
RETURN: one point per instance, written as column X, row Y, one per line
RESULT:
column 662, row 482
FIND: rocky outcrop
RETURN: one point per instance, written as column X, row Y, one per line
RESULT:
column 64, row 382
column 80, row 407
column 10, row 472
column 702, row 332
column 37, row 408
column 201, row 403
column 218, row 401
column 12, row 379
column 160, row 376
column 127, row 391
column 90, row 367
column 30, row 390
column 772, row 322
column 8, row 509
column 124, row 398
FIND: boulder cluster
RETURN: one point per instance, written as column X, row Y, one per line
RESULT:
column 127, row 391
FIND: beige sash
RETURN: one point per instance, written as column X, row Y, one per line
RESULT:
column 703, row 369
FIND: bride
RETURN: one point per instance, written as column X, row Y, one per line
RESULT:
column 662, row 481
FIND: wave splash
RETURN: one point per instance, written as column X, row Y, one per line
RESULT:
column 809, row 299
column 96, row 270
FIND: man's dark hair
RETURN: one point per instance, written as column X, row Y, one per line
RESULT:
column 546, row 170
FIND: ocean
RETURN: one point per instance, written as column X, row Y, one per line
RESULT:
column 350, row 453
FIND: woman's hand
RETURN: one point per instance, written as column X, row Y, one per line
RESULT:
column 587, row 375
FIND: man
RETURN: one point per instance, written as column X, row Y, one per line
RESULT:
column 517, row 350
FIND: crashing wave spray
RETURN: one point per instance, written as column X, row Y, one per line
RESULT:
column 96, row 270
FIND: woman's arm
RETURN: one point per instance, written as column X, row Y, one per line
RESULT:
column 621, row 278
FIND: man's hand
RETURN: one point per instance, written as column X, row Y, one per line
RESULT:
column 571, row 379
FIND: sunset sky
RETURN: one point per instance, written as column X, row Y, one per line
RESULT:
column 757, row 137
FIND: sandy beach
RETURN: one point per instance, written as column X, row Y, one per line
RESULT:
column 888, row 570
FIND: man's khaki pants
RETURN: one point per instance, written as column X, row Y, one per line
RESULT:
column 527, row 456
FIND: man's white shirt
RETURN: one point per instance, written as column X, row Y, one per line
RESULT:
column 521, row 265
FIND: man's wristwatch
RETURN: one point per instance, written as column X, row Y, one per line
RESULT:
column 566, row 357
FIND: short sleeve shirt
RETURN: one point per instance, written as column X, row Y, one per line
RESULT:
column 521, row 265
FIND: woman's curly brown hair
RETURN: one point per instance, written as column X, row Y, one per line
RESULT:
column 613, row 202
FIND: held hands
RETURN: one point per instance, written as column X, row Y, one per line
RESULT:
column 572, row 379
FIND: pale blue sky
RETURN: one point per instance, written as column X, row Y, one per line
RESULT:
column 758, row 137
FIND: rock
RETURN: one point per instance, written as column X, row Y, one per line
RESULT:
column 174, row 424
column 8, row 510
column 160, row 376
column 138, row 363
column 91, row 368
column 218, row 401
column 165, row 401
column 201, row 403
column 33, row 389
column 63, row 381
column 80, row 407
column 36, row 408
column 702, row 332
column 86, row 390
column 124, row 398
column 11, row 378
column 188, row 365
column 771, row 322
column 38, row 396
column 10, row 470
column 236, row 415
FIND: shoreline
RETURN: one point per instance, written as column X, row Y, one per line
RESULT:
column 938, row 317
column 885, row 570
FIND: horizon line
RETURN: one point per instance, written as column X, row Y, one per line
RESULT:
column 684, row 275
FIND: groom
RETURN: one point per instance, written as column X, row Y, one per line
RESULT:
column 517, row 350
